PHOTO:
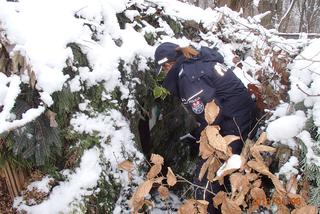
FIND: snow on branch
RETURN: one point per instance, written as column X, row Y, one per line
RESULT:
column 309, row 59
column 27, row 117
column 306, row 93
column 9, row 100
column 308, row 35
column 8, row 103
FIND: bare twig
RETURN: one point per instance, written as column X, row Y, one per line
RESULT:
column 235, row 122
column 190, row 187
column 308, row 59
column 114, row 155
column 81, row 9
column 306, row 93
column 194, row 185
column 204, row 192
column 142, row 108
column 263, row 116
column 314, row 72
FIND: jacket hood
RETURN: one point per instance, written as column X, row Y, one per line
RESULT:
column 206, row 54
column 210, row 54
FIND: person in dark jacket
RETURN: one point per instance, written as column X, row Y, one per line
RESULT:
column 197, row 78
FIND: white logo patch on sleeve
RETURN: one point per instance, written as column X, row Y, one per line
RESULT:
column 220, row 69
column 197, row 105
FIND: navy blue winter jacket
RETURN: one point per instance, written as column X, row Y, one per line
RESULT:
column 204, row 78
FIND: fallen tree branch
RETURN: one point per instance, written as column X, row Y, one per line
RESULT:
column 315, row 35
column 266, row 34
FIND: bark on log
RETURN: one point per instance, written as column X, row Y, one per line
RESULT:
column 15, row 178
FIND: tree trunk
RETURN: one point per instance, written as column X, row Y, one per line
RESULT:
column 265, row 5
column 303, row 10
column 312, row 14
column 283, row 24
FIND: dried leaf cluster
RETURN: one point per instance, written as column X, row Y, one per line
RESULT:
column 247, row 190
column 154, row 178
column 213, row 147
column 36, row 196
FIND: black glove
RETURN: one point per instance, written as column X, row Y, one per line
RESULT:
column 196, row 132
column 191, row 142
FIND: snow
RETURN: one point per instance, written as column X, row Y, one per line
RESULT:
column 41, row 186
column 114, row 133
column 256, row 2
column 289, row 169
column 311, row 157
column 305, row 81
column 27, row 117
column 43, row 42
column 46, row 98
column 3, row 88
column 234, row 162
column 75, row 84
column 244, row 76
column 281, row 110
column 305, row 77
column 286, row 127
column 42, row 36
column 9, row 99
column 131, row 14
column 85, row 177
column 259, row 17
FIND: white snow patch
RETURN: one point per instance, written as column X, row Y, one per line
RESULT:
column 234, row 162
column 286, row 127
column 41, row 186
column 288, row 169
column 76, row 186
column 311, row 157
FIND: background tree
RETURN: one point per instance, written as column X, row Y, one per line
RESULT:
column 287, row 16
column 309, row 11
